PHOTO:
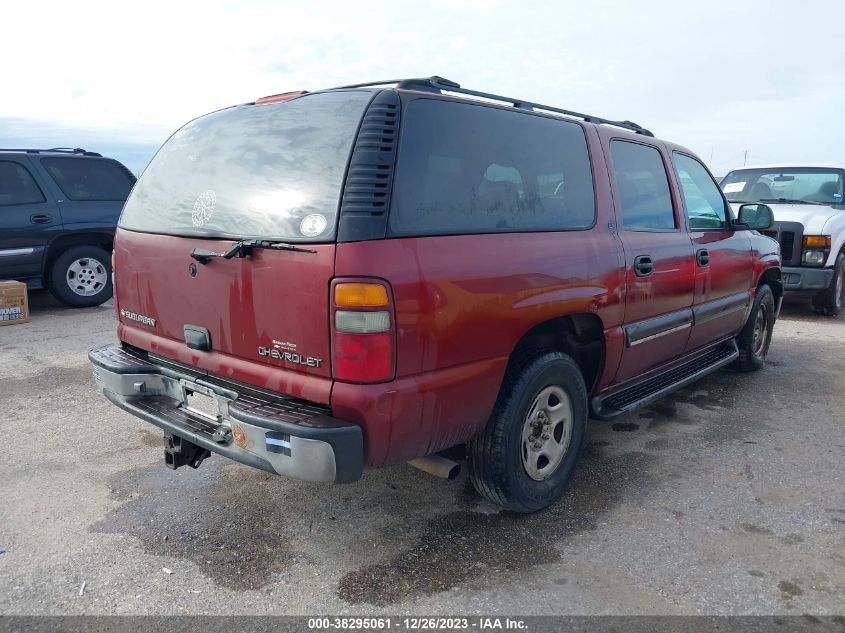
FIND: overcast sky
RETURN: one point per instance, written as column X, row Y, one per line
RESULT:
column 720, row 77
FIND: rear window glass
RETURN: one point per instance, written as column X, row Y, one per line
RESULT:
column 267, row 171
column 93, row 179
column 466, row 168
column 17, row 185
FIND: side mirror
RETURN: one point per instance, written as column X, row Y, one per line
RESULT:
column 755, row 217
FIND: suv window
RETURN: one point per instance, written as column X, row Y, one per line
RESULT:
column 90, row 179
column 643, row 186
column 466, row 168
column 271, row 171
column 17, row 186
column 704, row 202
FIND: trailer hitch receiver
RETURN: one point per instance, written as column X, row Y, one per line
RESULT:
column 180, row 452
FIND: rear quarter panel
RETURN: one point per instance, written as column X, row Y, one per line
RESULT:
column 462, row 304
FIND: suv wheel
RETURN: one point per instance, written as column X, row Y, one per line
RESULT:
column 830, row 300
column 525, row 457
column 81, row 276
column 756, row 336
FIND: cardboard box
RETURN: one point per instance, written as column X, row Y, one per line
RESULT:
column 14, row 307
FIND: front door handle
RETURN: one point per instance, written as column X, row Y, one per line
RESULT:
column 643, row 265
column 41, row 218
column 702, row 257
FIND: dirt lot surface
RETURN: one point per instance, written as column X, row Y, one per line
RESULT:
column 726, row 498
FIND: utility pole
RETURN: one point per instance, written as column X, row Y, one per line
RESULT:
column 745, row 158
column 710, row 164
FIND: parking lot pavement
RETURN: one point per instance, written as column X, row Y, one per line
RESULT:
column 728, row 497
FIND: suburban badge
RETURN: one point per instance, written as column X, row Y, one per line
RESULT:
column 140, row 318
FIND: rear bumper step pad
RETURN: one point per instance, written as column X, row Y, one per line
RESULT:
column 275, row 433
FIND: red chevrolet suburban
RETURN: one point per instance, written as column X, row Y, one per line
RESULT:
column 315, row 283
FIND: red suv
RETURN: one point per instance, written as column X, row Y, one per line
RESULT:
column 314, row 283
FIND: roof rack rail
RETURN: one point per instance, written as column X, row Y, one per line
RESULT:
column 440, row 84
column 54, row 150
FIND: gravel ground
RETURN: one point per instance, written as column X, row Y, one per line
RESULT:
column 726, row 498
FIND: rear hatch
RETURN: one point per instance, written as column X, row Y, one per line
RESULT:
column 271, row 172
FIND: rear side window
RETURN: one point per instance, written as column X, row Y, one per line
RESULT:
column 704, row 202
column 17, row 186
column 90, row 179
column 643, row 186
column 465, row 168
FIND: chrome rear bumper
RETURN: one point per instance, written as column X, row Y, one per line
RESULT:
column 272, row 432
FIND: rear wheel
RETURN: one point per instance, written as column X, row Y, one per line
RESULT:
column 756, row 336
column 81, row 276
column 525, row 457
column 830, row 300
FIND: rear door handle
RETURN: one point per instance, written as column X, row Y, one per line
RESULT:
column 703, row 257
column 41, row 218
column 643, row 265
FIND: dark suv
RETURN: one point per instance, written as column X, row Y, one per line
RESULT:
column 314, row 283
column 58, row 212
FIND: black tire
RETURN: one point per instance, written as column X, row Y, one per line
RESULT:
column 756, row 336
column 830, row 300
column 496, row 459
column 90, row 268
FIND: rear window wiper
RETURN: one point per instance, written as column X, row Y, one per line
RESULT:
column 243, row 248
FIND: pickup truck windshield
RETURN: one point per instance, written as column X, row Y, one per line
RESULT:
column 271, row 171
column 808, row 185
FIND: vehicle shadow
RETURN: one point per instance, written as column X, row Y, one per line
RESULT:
column 797, row 307
column 42, row 302
column 399, row 534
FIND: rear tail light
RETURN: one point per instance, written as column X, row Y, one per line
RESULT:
column 363, row 342
column 358, row 295
column 361, row 322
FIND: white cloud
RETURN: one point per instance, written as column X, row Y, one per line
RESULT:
column 729, row 75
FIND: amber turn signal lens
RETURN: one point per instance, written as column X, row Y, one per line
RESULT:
column 360, row 295
column 817, row 241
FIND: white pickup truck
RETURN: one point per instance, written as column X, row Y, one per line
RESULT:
column 807, row 201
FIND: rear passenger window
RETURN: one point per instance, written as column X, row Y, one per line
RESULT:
column 465, row 168
column 643, row 186
column 17, row 186
column 90, row 179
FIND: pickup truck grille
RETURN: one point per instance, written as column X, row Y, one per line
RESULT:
column 789, row 235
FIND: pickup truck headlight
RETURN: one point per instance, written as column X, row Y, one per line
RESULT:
column 814, row 258
column 816, row 249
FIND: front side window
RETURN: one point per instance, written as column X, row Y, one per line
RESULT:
column 704, row 203
column 467, row 168
column 17, row 186
column 90, row 179
column 643, row 187
column 794, row 185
